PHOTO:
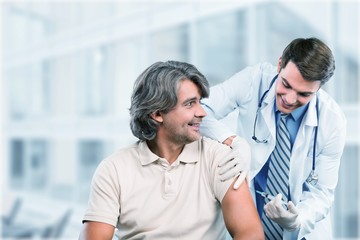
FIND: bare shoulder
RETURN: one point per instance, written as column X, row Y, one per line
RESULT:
column 96, row 230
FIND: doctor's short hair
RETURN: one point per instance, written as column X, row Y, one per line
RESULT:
column 155, row 90
column 312, row 57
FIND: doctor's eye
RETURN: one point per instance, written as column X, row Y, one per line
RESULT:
column 285, row 84
column 305, row 94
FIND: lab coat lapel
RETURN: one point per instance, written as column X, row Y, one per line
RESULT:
column 268, row 114
column 265, row 130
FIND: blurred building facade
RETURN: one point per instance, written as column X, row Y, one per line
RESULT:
column 68, row 70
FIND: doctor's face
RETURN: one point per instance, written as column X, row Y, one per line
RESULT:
column 292, row 90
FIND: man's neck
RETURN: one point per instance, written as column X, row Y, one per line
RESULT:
column 165, row 149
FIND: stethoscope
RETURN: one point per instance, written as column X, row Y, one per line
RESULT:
column 313, row 176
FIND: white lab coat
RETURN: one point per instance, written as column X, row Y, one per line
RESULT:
column 243, row 92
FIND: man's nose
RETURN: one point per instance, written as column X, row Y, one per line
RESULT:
column 200, row 112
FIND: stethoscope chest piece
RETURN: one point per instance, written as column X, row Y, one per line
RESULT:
column 312, row 178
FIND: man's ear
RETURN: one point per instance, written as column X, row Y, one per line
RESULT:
column 157, row 116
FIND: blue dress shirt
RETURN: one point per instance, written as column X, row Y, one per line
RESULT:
column 292, row 123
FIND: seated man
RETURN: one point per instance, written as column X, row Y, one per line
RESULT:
column 167, row 185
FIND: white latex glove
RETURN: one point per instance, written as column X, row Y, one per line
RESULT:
column 288, row 219
column 237, row 162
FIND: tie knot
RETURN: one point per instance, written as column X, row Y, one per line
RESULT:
column 283, row 115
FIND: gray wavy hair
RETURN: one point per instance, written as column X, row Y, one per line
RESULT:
column 155, row 90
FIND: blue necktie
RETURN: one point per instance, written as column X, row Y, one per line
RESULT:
column 278, row 176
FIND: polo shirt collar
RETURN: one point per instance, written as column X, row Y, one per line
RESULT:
column 145, row 155
column 189, row 154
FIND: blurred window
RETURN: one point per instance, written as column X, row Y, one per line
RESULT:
column 346, row 17
column 346, row 206
column 91, row 152
column 128, row 60
column 38, row 164
column 18, row 93
column 221, row 45
column 275, row 30
column 29, row 90
column 31, row 27
column 29, row 164
column 17, row 155
column 94, row 81
column 170, row 44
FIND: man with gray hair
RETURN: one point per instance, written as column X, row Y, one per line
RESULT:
column 168, row 184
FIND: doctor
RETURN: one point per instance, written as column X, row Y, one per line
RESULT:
column 315, row 128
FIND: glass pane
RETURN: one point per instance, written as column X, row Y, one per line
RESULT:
column 94, row 80
column 170, row 44
column 128, row 61
column 29, row 90
column 24, row 26
column 17, row 163
column 347, row 52
column 91, row 152
column 38, row 162
column 275, row 28
column 346, row 206
column 221, row 45
column 18, row 94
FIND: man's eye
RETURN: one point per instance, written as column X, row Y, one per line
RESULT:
column 189, row 104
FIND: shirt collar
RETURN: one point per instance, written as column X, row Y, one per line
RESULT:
column 297, row 113
column 146, row 156
column 189, row 154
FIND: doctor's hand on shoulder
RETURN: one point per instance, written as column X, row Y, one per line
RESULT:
column 237, row 162
column 288, row 219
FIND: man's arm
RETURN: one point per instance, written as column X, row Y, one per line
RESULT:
column 96, row 231
column 240, row 215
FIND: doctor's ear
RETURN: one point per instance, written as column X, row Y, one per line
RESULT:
column 279, row 65
column 157, row 116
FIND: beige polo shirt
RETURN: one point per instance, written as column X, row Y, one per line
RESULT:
column 146, row 198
